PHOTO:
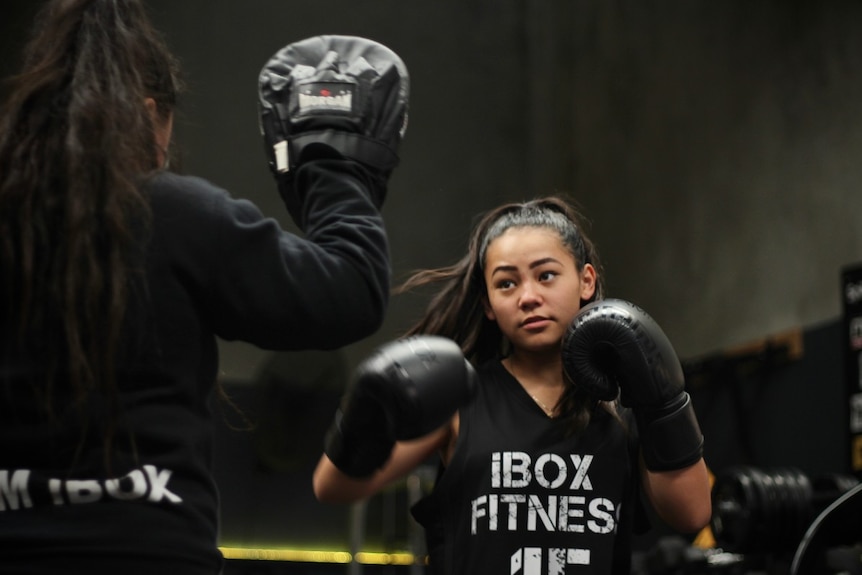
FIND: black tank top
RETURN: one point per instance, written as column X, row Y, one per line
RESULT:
column 522, row 497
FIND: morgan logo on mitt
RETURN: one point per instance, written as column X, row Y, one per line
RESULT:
column 326, row 98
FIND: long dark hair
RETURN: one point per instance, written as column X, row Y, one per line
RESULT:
column 75, row 141
column 457, row 309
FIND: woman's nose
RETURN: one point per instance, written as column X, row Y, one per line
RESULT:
column 530, row 297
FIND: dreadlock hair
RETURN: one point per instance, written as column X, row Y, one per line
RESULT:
column 75, row 141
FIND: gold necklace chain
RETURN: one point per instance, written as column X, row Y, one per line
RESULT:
column 548, row 410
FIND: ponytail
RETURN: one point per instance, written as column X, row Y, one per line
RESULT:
column 75, row 141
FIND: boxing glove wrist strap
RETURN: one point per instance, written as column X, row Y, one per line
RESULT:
column 357, row 456
column 361, row 148
column 670, row 438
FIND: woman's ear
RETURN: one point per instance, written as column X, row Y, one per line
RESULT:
column 489, row 313
column 162, row 130
column 588, row 282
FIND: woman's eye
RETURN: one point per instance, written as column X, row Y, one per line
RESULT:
column 547, row 275
column 505, row 284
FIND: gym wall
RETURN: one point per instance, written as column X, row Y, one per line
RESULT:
column 713, row 146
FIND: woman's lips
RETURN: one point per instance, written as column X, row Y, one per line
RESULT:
column 534, row 323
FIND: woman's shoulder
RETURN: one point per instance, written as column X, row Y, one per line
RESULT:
column 490, row 373
column 490, row 369
column 177, row 197
column 495, row 383
column 176, row 189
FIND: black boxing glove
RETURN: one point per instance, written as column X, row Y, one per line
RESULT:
column 332, row 97
column 406, row 389
column 612, row 347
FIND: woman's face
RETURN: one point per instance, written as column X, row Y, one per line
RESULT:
column 162, row 130
column 534, row 287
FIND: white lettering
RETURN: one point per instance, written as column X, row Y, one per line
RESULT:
column 557, row 561
column 148, row 482
column 601, row 509
column 568, row 508
column 528, row 560
column 134, row 479
column 14, row 492
column 158, row 484
column 478, row 511
column 581, row 480
column 566, row 513
column 516, row 469
column 513, row 500
column 83, row 490
column 548, row 517
column 560, row 477
column 493, row 512
column 578, row 556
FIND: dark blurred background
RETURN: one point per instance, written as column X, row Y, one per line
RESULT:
column 714, row 147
